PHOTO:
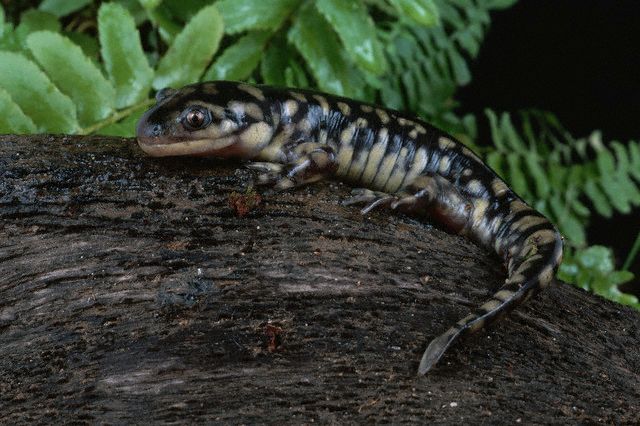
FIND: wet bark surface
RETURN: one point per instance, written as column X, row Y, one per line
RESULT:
column 141, row 290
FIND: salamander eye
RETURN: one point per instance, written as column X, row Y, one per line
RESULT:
column 197, row 118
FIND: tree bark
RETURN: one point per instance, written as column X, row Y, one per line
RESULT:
column 141, row 290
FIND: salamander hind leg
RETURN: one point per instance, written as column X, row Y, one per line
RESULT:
column 372, row 199
column 415, row 198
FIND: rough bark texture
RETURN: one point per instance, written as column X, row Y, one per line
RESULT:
column 130, row 291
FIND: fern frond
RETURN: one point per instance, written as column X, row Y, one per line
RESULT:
column 429, row 64
column 558, row 174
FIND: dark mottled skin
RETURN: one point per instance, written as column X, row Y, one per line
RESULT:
column 301, row 136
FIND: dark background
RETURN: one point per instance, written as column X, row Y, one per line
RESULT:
column 577, row 59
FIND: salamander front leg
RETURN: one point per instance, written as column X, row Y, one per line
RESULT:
column 318, row 162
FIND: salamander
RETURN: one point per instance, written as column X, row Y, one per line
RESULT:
column 295, row 137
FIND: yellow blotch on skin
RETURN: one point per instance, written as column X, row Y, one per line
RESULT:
column 475, row 187
column 347, row 135
column 323, row 103
column 479, row 211
column 503, row 295
column 209, row 89
column 252, row 90
column 398, row 173
column 417, row 166
column 491, row 305
column 344, row 109
column 385, row 170
column 445, row 164
column 375, row 156
column 345, row 154
column 358, row 165
column 254, row 111
column 273, row 151
column 304, row 125
column 445, row 143
column 382, row 114
column 256, row 136
column 499, row 187
column 289, row 108
column 298, row 96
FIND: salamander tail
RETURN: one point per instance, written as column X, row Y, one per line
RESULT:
column 532, row 249
column 436, row 349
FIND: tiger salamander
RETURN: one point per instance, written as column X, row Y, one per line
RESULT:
column 299, row 136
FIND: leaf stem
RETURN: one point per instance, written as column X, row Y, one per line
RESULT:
column 119, row 115
column 632, row 254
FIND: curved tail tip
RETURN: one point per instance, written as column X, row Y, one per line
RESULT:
column 435, row 350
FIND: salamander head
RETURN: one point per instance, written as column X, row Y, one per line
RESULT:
column 199, row 119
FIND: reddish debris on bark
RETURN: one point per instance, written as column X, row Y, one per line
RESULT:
column 274, row 335
column 242, row 204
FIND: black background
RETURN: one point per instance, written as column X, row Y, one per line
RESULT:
column 578, row 59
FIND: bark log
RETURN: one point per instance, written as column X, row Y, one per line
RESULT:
column 132, row 291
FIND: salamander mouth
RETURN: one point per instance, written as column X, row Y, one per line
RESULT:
column 162, row 147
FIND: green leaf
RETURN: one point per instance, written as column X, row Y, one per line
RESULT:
column 241, row 15
column 124, row 59
column 496, row 134
column 62, row 8
column 620, row 277
column 634, row 154
column 88, row 44
column 568, row 271
column 50, row 110
column 36, row 20
column 423, row 12
column 605, row 162
column 318, row 45
column 512, row 137
column 517, row 179
column 461, row 71
column 355, row 28
column 569, row 225
column 150, row 4
column 540, row 178
column 12, row 119
column 628, row 299
column 191, row 50
column 238, row 61
column 615, row 192
column 274, row 63
column 580, row 209
column 167, row 27
column 597, row 258
column 598, row 198
column 495, row 161
column 622, row 158
column 136, row 10
column 3, row 26
column 295, row 76
column 74, row 74
column 183, row 10
column 9, row 41
column 500, row 4
column 125, row 127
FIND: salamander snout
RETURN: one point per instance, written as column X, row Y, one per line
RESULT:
column 147, row 130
